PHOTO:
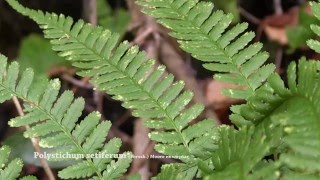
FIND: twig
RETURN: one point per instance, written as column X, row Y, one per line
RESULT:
column 83, row 80
column 114, row 132
column 277, row 7
column 141, row 143
column 90, row 14
column 35, row 143
column 147, row 152
column 90, row 11
column 98, row 100
column 254, row 20
column 141, row 37
column 76, row 82
column 278, row 60
column 249, row 16
column 122, row 119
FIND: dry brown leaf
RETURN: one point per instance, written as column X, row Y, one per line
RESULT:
column 275, row 26
column 276, row 34
column 214, row 95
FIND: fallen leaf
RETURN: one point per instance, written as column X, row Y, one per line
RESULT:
column 214, row 95
column 275, row 25
column 276, row 34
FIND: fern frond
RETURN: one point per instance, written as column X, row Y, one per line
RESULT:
column 297, row 110
column 125, row 73
column 202, row 33
column 240, row 152
column 302, row 136
column 12, row 170
column 54, row 118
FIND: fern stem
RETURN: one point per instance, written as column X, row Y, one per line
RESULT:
column 90, row 11
column 35, row 142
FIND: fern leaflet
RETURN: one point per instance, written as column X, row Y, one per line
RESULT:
column 13, row 168
column 54, row 119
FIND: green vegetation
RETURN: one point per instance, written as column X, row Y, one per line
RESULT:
column 276, row 133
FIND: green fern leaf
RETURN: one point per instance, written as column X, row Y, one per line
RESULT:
column 12, row 170
column 239, row 152
column 296, row 109
column 124, row 73
column 315, row 44
column 80, row 170
column 265, row 170
column 116, row 169
column 303, row 137
column 53, row 119
column 168, row 172
column 203, row 33
column 29, row 178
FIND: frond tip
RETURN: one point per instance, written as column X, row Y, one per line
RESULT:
column 10, row 170
column 54, row 119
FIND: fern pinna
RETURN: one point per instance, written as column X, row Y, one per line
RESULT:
column 202, row 33
column 13, row 168
column 54, row 119
column 125, row 73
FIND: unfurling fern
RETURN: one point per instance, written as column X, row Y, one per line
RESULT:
column 203, row 33
column 12, row 170
column 125, row 73
column 54, row 119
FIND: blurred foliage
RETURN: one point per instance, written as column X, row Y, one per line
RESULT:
column 35, row 52
column 298, row 35
column 134, row 177
column 114, row 20
column 228, row 6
